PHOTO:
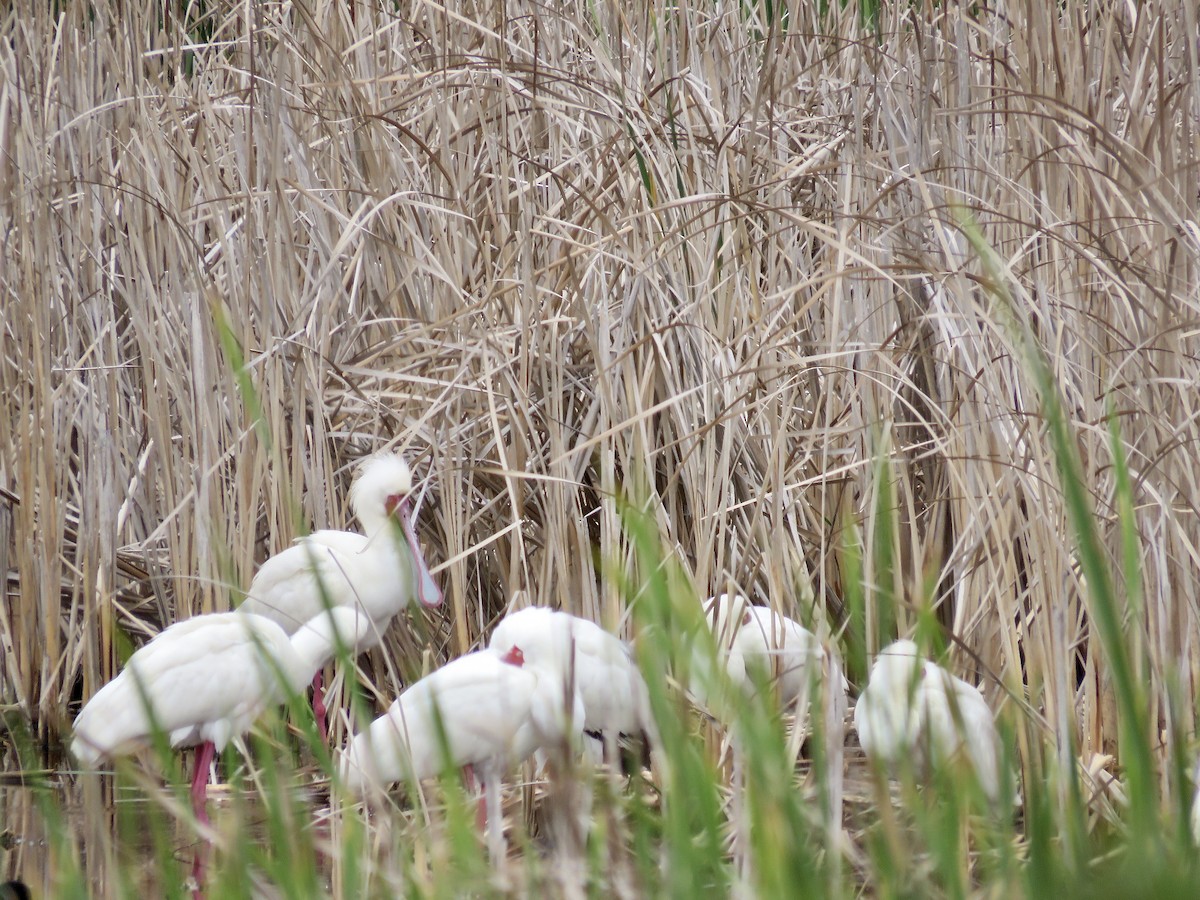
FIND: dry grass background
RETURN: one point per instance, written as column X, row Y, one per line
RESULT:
column 555, row 250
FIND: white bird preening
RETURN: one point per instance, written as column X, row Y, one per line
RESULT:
column 585, row 658
column 376, row 572
column 204, row 681
column 914, row 710
column 484, row 712
column 576, row 657
column 791, row 659
column 785, row 651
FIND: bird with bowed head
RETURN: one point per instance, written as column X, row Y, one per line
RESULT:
column 205, row 681
column 378, row 572
column 783, row 650
column 913, row 709
column 599, row 666
column 484, row 712
column 756, row 645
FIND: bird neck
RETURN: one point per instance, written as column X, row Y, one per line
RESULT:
column 902, row 675
column 313, row 650
column 374, row 521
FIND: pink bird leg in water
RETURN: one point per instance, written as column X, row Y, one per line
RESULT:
column 204, row 681
column 320, row 711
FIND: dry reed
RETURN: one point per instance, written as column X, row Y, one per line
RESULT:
column 555, row 252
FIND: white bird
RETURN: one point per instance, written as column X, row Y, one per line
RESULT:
column 377, row 572
column 204, row 681
column 913, row 709
column 783, row 650
column 484, row 712
column 1194, row 817
column 756, row 645
column 584, row 657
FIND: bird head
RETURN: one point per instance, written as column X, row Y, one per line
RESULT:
column 381, row 493
column 898, row 653
column 383, row 484
column 341, row 626
column 897, row 669
column 541, row 635
column 725, row 614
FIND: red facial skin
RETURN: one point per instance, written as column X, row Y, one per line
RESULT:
column 514, row 657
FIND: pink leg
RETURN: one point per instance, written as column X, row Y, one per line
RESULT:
column 319, row 710
column 198, row 871
column 204, row 758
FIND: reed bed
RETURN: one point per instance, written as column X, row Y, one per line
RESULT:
column 823, row 302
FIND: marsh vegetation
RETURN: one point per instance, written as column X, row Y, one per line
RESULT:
column 885, row 315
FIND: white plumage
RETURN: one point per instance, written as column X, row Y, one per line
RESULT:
column 789, row 658
column 1194, row 817
column 484, row 710
column 479, row 704
column 755, row 636
column 912, row 709
column 378, row 572
column 206, row 680
column 579, row 654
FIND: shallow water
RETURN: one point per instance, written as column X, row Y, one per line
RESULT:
column 55, row 822
column 43, row 823
column 24, row 851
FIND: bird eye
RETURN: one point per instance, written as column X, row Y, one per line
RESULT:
column 392, row 503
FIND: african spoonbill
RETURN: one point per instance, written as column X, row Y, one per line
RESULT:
column 378, row 572
column 914, row 709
